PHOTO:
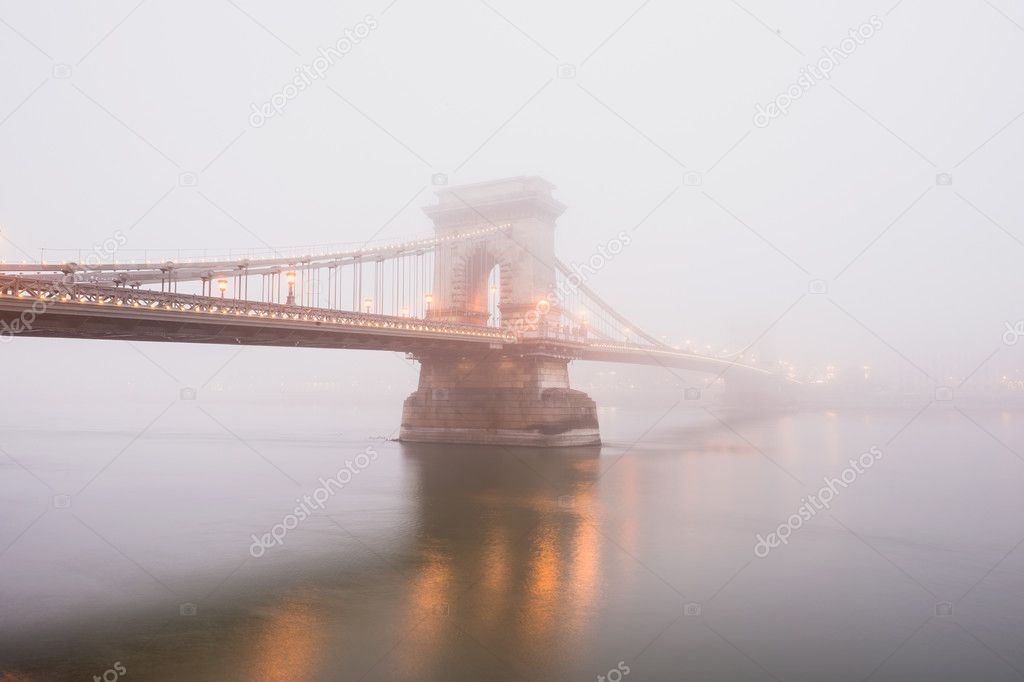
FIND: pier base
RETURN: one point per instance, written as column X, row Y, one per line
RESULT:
column 487, row 400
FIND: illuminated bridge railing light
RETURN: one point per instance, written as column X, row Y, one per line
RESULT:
column 84, row 294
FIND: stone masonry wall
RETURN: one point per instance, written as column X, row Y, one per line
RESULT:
column 498, row 400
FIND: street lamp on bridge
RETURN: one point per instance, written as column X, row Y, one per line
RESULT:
column 222, row 284
column 429, row 298
column 290, row 278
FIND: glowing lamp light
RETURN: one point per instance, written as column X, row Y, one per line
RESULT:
column 290, row 279
column 222, row 284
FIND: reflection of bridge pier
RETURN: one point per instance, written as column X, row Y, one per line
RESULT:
column 507, row 396
column 512, row 559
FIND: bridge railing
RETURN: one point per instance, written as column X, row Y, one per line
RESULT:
column 552, row 332
column 41, row 296
column 46, row 294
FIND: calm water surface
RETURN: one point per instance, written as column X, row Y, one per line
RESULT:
column 468, row 563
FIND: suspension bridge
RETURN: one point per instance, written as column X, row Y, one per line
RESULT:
column 484, row 304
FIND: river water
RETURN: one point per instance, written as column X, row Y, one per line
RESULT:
column 127, row 544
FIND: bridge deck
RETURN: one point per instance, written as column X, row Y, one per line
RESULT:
column 36, row 308
column 39, row 308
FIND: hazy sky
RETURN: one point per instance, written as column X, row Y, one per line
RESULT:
column 106, row 104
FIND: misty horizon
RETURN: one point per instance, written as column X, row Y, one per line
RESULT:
column 490, row 340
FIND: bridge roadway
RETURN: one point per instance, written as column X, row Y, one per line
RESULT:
column 39, row 308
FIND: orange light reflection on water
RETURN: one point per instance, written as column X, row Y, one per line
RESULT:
column 288, row 649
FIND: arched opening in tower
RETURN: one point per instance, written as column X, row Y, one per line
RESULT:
column 482, row 289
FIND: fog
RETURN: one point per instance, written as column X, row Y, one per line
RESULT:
column 831, row 187
column 842, row 188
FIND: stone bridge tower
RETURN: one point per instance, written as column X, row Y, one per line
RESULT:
column 523, row 250
column 517, row 394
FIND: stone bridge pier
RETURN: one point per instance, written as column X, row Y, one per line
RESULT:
column 515, row 394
